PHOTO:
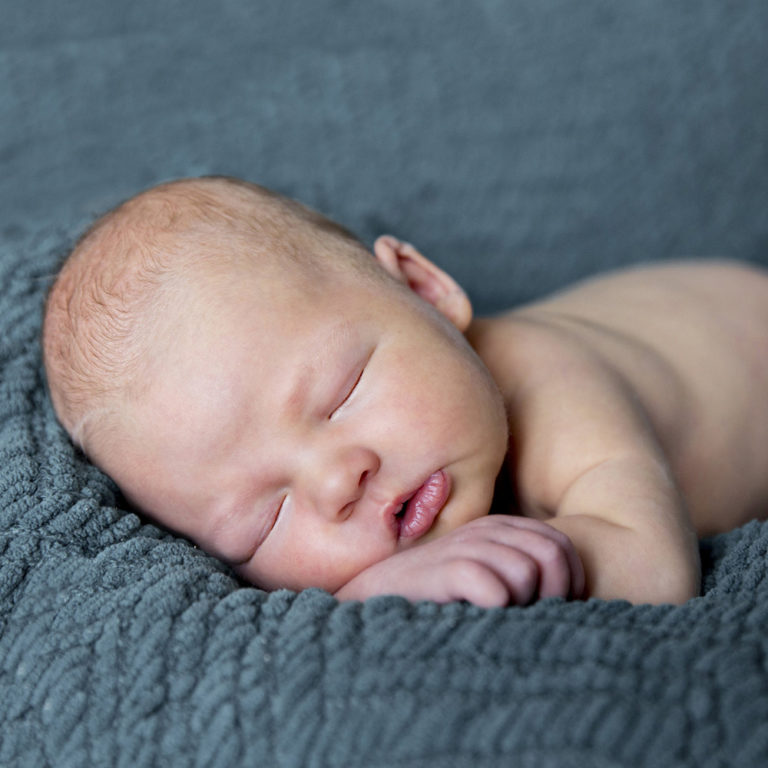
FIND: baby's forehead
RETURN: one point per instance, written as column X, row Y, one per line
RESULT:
column 171, row 254
column 199, row 222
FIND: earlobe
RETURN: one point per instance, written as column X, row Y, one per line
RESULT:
column 403, row 262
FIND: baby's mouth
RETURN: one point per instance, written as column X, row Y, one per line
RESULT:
column 419, row 511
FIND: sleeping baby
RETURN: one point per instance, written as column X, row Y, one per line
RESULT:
column 317, row 415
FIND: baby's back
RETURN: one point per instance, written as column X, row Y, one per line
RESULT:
column 691, row 341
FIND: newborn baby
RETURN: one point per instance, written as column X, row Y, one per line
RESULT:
column 255, row 379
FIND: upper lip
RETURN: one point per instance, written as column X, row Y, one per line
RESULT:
column 394, row 507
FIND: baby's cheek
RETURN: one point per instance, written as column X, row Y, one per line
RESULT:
column 326, row 559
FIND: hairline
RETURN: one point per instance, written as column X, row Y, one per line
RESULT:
column 126, row 380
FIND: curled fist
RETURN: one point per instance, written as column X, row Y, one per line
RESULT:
column 493, row 561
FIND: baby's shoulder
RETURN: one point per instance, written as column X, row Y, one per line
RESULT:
column 530, row 344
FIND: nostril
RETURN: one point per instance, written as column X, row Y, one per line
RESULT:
column 363, row 477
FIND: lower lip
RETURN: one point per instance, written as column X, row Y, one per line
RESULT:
column 425, row 505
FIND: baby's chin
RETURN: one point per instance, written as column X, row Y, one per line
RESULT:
column 453, row 516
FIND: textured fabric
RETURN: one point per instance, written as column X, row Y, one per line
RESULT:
column 521, row 145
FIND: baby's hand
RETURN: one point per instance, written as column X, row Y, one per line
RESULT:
column 492, row 561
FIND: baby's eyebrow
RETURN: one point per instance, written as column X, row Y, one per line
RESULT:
column 324, row 354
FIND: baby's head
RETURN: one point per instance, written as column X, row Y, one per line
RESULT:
column 254, row 378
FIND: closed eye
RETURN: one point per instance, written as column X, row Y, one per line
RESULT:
column 270, row 522
column 354, row 382
column 246, row 529
column 348, row 393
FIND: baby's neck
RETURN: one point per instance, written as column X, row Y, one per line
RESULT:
column 489, row 337
column 478, row 332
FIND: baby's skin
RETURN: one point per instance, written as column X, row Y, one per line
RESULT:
column 638, row 421
column 351, row 430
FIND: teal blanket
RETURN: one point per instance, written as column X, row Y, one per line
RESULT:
column 522, row 145
column 121, row 645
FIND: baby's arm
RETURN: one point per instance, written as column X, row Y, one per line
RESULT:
column 628, row 525
column 492, row 561
column 591, row 465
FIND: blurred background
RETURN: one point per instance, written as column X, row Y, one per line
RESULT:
column 520, row 145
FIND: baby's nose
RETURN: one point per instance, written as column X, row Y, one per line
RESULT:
column 340, row 480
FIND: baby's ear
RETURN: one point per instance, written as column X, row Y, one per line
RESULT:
column 424, row 278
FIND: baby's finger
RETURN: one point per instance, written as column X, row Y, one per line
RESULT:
column 526, row 555
column 550, row 584
column 478, row 583
column 526, row 569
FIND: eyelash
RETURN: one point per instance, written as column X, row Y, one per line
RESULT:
column 273, row 521
column 277, row 512
column 348, row 395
